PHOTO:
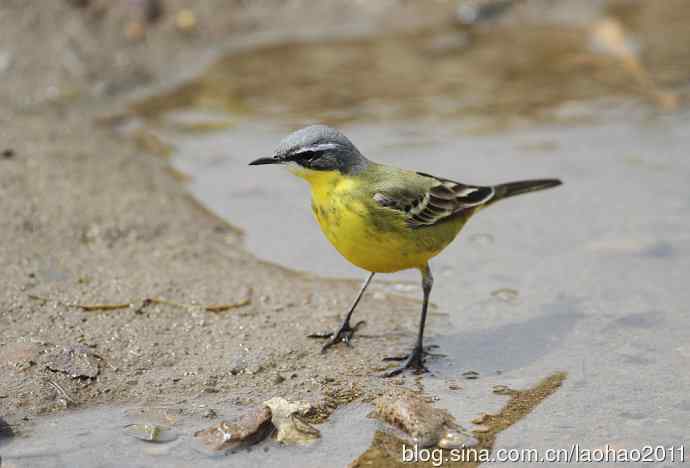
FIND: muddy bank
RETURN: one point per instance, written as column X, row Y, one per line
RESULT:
column 92, row 230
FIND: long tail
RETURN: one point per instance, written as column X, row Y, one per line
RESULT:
column 524, row 186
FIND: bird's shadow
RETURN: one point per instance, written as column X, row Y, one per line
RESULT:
column 507, row 347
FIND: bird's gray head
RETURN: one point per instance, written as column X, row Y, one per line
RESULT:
column 317, row 148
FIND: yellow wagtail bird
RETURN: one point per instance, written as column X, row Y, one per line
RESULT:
column 381, row 218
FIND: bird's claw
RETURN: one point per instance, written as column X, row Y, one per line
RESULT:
column 344, row 334
column 413, row 360
column 426, row 351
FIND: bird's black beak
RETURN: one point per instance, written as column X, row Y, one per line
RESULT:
column 261, row 161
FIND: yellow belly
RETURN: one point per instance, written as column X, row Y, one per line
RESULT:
column 344, row 221
column 380, row 252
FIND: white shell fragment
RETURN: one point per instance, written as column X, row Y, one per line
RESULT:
column 287, row 418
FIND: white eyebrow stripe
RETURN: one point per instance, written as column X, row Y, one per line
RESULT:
column 318, row 147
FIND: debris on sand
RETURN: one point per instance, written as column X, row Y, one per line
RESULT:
column 77, row 361
column 250, row 429
column 84, row 307
column 20, row 356
column 62, row 394
column 425, row 425
column 244, row 301
column 98, row 307
column 288, row 420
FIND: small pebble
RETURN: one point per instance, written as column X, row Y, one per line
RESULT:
column 502, row 390
column 454, row 386
column 185, row 20
column 8, row 153
column 135, row 31
column 150, row 432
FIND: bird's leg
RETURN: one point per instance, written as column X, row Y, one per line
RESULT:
column 346, row 331
column 415, row 360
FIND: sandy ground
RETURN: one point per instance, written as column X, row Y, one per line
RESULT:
column 87, row 219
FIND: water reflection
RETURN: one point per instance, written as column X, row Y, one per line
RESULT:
column 506, row 73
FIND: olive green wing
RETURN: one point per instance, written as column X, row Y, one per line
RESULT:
column 426, row 200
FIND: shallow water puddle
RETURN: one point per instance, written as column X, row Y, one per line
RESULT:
column 99, row 437
column 109, row 437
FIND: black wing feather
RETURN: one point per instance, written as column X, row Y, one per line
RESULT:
column 445, row 200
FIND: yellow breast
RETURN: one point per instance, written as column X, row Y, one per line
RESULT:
column 345, row 220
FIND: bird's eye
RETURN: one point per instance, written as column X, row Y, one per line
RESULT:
column 307, row 156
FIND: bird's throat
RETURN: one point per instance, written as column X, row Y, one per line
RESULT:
column 318, row 180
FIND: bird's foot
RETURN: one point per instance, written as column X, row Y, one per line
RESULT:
column 425, row 351
column 414, row 360
column 344, row 334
